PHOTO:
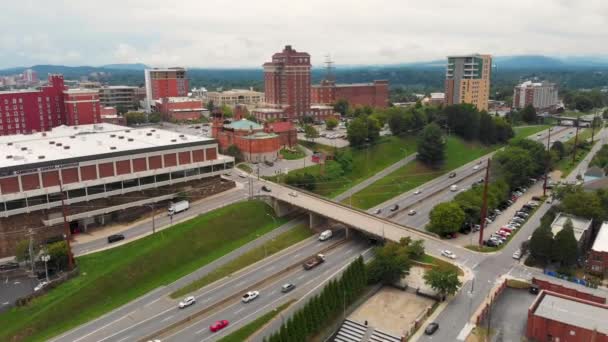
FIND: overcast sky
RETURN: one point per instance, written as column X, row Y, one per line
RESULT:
column 237, row 33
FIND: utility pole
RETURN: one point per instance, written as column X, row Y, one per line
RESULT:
column 575, row 143
column 547, row 163
column 153, row 218
column 31, row 248
column 66, row 227
column 484, row 207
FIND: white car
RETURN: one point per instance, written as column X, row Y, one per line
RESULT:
column 293, row 194
column 377, row 211
column 517, row 255
column 187, row 302
column 411, row 212
column 448, row 254
column 40, row 286
column 242, row 175
column 476, row 167
column 417, row 192
column 249, row 296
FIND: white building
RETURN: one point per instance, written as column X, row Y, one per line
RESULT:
column 541, row 95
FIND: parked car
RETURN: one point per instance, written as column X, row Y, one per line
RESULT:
column 518, row 220
column 536, row 198
column 476, row 228
column 40, row 286
column 411, row 212
column 249, row 296
column 490, row 243
column 448, row 254
column 268, row 163
column 522, row 214
column 187, row 302
column 377, row 211
column 265, row 188
column 452, row 175
column 219, row 325
column 517, row 254
column 287, row 287
column 115, row 237
column 395, row 207
column 242, row 175
column 431, row 328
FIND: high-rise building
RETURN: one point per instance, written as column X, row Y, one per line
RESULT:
column 287, row 82
column 82, row 106
column 541, row 95
column 30, row 76
column 119, row 97
column 467, row 80
column 161, row 83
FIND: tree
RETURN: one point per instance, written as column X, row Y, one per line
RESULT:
column 559, row 148
column 431, row 146
column 341, row 106
column 582, row 203
column 210, row 106
column 135, row 118
column 446, row 218
column 583, row 103
column 22, row 251
column 565, row 247
column 154, row 117
column 235, row 152
column 59, row 254
column 331, row 123
column 307, row 119
column 444, row 281
column 605, row 114
column 487, row 129
column 363, row 129
column 528, row 114
column 310, row 132
column 541, row 243
column 390, row 264
column 227, row 111
column 121, row 109
column 515, row 166
column 251, row 117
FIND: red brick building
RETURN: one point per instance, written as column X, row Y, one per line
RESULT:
column 82, row 106
column 557, row 317
column 181, row 108
column 288, row 135
column 359, row 94
column 252, row 140
column 597, row 261
column 160, row 83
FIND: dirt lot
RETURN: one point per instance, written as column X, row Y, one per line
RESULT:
column 391, row 310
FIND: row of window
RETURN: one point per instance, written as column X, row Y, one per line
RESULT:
column 108, row 187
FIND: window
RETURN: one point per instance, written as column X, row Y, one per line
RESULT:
column 77, row 193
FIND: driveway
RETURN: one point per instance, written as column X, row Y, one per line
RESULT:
column 510, row 315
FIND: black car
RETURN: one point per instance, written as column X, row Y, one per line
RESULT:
column 452, row 174
column 269, row 163
column 533, row 289
column 431, row 328
column 395, row 207
column 266, row 189
column 9, row 266
column 115, row 237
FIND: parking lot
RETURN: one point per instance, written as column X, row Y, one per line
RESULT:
column 12, row 289
column 510, row 314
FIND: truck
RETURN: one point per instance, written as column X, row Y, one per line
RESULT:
column 314, row 262
column 178, row 207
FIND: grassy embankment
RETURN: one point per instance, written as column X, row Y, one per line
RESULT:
column 116, row 276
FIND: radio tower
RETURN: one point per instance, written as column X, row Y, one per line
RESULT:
column 329, row 69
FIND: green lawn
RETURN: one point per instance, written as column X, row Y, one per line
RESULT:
column 440, row 263
column 414, row 174
column 296, row 153
column 245, row 332
column 245, row 168
column 526, row 131
column 281, row 242
column 565, row 165
column 366, row 162
column 116, row 276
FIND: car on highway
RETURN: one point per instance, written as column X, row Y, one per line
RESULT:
column 293, row 194
column 187, row 302
column 287, row 287
column 40, row 286
column 411, row 212
column 325, row 235
column 219, row 325
column 115, row 237
column 242, row 175
column 395, row 207
column 454, row 188
column 266, row 189
column 452, row 175
column 418, row 192
column 431, row 328
column 249, row 296
column 377, row 211
column 476, row 167
column 448, row 254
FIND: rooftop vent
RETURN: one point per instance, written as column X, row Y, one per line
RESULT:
column 44, row 134
column 24, row 149
column 66, row 147
column 112, row 135
column 58, row 144
column 148, row 134
column 51, row 142
column 75, row 127
column 121, row 137
column 153, row 130
column 10, row 144
column 112, row 147
column 128, row 131
column 173, row 140
column 9, row 157
column 72, row 137
column 40, row 157
column 130, row 139
column 181, row 136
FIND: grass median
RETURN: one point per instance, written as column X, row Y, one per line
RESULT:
column 526, row 131
column 415, row 173
column 116, row 276
column 277, row 244
column 245, row 332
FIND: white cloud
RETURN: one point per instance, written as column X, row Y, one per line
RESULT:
column 213, row 33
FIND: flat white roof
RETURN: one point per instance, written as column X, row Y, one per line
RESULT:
column 601, row 240
column 81, row 91
column 579, row 224
column 573, row 312
column 84, row 141
column 182, row 99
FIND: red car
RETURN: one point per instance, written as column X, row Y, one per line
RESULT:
column 219, row 325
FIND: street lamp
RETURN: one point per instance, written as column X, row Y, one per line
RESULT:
column 153, row 207
column 46, row 259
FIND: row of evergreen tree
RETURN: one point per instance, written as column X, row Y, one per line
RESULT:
column 333, row 299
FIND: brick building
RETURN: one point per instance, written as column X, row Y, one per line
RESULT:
column 252, row 140
column 181, row 108
column 160, row 83
column 288, row 135
column 541, row 95
column 558, row 317
column 82, row 106
column 359, row 94
column 597, row 261
column 467, row 80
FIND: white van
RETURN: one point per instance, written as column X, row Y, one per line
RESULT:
column 325, row 235
column 454, row 188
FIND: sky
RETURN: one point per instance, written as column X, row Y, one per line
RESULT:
column 236, row 33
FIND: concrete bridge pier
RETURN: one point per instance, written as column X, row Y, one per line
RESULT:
column 315, row 220
column 282, row 208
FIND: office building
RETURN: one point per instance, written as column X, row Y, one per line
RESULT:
column 235, row 96
column 119, row 97
column 373, row 94
column 467, row 80
column 165, row 82
column 82, row 107
column 541, row 95
column 181, row 108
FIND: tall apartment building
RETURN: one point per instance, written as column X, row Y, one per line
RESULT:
column 82, row 106
column 467, row 80
column 119, row 97
column 540, row 95
column 167, row 82
column 287, row 82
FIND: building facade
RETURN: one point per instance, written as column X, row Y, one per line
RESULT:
column 254, row 142
column 125, row 97
column 541, row 95
column 597, row 261
column 181, row 108
column 359, row 94
column 82, row 106
column 557, row 317
column 235, row 96
column 287, row 82
column 167, row 82
column 288, row 135
column 467, row 80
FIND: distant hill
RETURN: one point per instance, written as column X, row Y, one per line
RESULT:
column 133, row 66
